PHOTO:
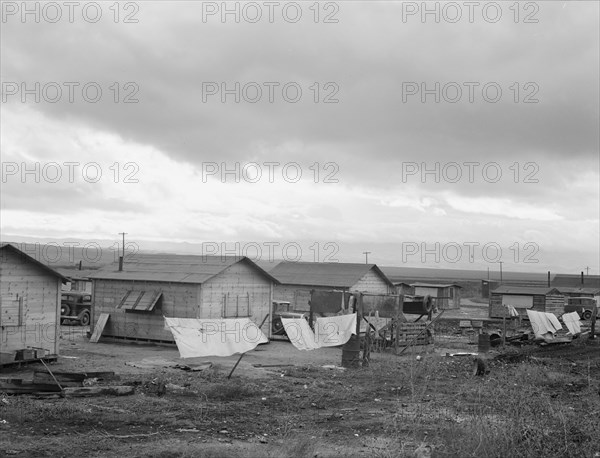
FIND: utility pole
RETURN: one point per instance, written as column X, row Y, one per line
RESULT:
column 587, row 271
column 123, row 233
column 122, row 258
column 366, row 253
column 500, row 272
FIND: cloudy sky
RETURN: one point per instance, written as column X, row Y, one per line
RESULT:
column 431, row 134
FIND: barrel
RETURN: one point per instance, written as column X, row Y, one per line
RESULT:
column 484, row 342
column 351, row 353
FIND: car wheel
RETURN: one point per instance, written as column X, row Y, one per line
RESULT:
column 278, row 328
column 84, row 318
column 65, row 310
column 587, row 314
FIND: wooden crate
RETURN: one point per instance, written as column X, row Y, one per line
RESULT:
column 408, row 331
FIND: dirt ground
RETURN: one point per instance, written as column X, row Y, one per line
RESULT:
column 533, row 401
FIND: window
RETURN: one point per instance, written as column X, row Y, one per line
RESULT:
column 139, row 301
column 518, row 301
column 236, row 306
column 11, row 311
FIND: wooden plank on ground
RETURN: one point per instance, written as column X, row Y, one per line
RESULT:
column 99, row 327
column 76, row 392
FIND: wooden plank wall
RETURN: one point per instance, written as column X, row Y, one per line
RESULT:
column 371, row 282
column 40, row 312
column 239, row 279
column 178, row 300
column 497, row 310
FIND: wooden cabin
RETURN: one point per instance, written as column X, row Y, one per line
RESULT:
column 523, row 298
column 445, row 296
column 180, row 286
column 30, row 294
column 297, row 279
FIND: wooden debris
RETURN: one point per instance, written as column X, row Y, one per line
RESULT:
column 79, row 392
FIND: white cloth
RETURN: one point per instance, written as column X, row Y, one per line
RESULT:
column 512, row 311
column 572, row 322
column 223, row 337
column 299, row 333
column 543, row 323
column 332, row 331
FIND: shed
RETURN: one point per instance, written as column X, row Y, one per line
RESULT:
column 297, row 279
column 29, row 303
column 446, row 296
column 579, row 281
column 404, row 288
column 178, row 286
column 523, row 298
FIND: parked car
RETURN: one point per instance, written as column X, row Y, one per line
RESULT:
column 281, row 309
column 584, row 306
column 76, row 306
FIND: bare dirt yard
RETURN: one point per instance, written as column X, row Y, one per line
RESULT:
column 281, row 402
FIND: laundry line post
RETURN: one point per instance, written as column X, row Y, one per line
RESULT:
column 242, row 355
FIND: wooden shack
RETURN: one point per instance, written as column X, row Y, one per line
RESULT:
column 179, row 286
column 523, row 298
column 29, row 306
column 445, row 296
column 298, row 279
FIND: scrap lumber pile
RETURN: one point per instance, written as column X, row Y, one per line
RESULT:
column 65, row 384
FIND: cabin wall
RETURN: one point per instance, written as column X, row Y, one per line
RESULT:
column 371, row 282
column 30, row 305
column 239, row 291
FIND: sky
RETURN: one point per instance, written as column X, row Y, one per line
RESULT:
column 427, row 134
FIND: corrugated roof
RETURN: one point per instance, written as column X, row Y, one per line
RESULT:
column 330, row 274
column 8, row 246
column 434, row 285
column 172, row 268
column 525, row 290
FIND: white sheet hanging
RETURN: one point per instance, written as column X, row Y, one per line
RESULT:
column 222, row 337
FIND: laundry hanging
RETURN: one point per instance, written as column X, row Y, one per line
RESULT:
column 543, row 324
column 572, row 322
column 329, row 331
column 221, row 337
column 332, row 331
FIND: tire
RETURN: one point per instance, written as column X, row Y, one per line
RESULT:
column 277, row 328
column 427, row 303
column 65, row 310
column 587, row 314
column 84, row 318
